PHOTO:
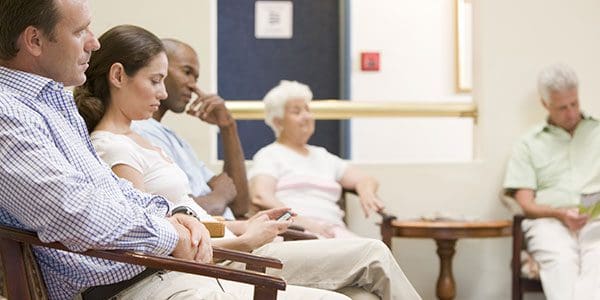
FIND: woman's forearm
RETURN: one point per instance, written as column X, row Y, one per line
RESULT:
column 237, row 243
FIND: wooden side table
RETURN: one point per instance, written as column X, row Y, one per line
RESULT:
column 445, row 234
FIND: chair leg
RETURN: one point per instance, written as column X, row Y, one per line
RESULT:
column 387, row 231
column 261, row 292
column 517, row 293
column 518, row 236
column 17, row 285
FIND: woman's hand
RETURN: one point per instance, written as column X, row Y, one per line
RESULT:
column 261, row 229
column 273, row 213
column 370, row 202
column 318, row 227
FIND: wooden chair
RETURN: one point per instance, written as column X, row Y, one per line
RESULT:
column 24, row 281
column 297, row 233
column 520, row 283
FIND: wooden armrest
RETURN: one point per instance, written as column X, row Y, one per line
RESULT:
column 296, row 235
column 350, row 191
column 296, row 227
column 253, row 262
column 386, row 217
column 261, row 281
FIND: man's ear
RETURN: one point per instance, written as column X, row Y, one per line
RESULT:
column 544, row 103
column 31, row 40
column 116, row 75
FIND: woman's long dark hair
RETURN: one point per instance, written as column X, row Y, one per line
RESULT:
column 129, row 45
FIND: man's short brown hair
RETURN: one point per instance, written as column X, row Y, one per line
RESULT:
column 17, row 15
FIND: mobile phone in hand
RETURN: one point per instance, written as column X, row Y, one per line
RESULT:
column 285, row 216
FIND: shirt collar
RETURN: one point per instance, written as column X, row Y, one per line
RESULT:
column 546, row 126
column 27, row 84
column 156, row 124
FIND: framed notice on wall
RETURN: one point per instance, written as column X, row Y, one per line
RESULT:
column 273, row 19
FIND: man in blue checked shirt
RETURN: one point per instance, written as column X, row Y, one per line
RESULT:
column 52, row 181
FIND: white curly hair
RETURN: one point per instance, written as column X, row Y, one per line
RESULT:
column 278, row 96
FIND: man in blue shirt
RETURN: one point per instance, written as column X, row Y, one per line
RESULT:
column 224, row 194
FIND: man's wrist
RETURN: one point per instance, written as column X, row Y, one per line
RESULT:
column 184, row 210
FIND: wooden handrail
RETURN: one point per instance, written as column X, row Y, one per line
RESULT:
column 341, row 109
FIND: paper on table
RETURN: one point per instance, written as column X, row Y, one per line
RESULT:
column 444, row 216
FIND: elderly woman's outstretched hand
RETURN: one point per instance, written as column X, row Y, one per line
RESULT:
column 370, row 202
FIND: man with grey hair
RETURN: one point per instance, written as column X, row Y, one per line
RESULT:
column 553, row 169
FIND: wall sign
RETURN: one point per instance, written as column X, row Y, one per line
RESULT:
column 273, row 19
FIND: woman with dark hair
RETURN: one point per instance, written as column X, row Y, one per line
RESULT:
column 126, row 83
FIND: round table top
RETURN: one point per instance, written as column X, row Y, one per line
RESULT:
column 451, row 229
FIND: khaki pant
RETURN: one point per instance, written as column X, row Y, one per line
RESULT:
column 360, row 268
column 179, row 286
column 334, row 264
column 569, row 263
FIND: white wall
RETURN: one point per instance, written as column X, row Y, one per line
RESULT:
column 416, row 42
column 512, row 40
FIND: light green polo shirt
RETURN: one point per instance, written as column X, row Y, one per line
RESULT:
column 560, row 168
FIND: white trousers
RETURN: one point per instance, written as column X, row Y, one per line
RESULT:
column 569, row 262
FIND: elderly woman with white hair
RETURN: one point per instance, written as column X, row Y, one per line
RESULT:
column 308, row 179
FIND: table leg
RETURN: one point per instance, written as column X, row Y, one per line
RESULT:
column 446, row 288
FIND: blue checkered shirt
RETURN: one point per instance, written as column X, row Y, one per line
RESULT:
column 53, row 183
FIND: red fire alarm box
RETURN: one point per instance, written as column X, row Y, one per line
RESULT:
column 369, row 61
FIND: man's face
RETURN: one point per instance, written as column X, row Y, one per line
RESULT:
column 65, row 57
column 181, row 81
column 563, row 109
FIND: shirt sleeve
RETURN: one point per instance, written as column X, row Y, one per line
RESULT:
column 520, row 173
column 114, row 151
column 45, row 192
column 265, row 162
column 339, row 165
